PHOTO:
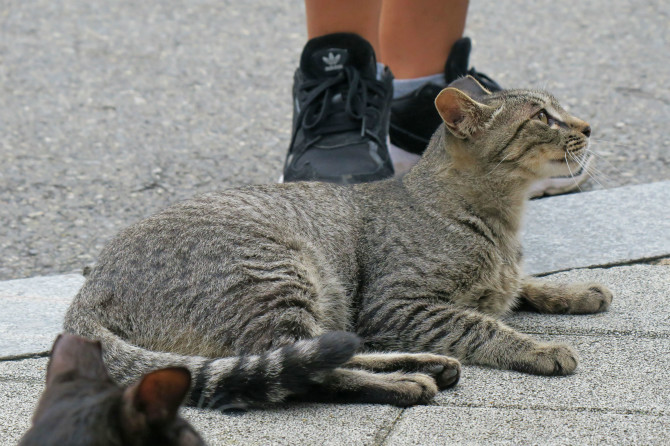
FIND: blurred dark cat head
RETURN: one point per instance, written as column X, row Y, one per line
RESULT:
column 82, row 406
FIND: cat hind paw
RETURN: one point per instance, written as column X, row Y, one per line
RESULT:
column 548, row 359
column 590, row 298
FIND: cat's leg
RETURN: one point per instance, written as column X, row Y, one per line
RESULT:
column 362, row 386
column 575, row 298
column 471, row 337
column 444, row 370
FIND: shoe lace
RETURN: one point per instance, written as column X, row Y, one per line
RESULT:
column 357, row 107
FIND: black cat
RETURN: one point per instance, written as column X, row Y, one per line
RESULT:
column 82, row 406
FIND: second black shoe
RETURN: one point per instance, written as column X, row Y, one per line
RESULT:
column 413, row 116
column 340, row 113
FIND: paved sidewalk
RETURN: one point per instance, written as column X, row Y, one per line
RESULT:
column 619, row 394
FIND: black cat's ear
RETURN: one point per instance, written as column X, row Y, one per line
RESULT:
column 159, row 394
column 462, row 115
column 76, row 355
column 470, row 86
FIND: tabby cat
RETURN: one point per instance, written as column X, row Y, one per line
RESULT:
column 81, row 406
column 258, row 290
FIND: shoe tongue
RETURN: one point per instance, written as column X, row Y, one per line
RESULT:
column 327, row 56
column 457, row 62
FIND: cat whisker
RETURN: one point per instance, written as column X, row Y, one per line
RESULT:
column 572, row 175
column 230, row 406
column 594, row 170
column 582, row 163
column 601, row 143
column 602, row 157
column 201, row 402
column 213, row 402
column 597, row 174
column 499, row 163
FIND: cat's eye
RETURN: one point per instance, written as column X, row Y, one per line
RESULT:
column 542, row 116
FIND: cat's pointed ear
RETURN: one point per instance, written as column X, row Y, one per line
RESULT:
column 77, row 355
column 470, row 86
column 462, row 115
column 159, row 394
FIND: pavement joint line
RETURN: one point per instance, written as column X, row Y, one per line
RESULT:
column 22, row 356
column 641, row 261
column 601, row 410
column 597, row 334
column 384, row 432
column 22, row 380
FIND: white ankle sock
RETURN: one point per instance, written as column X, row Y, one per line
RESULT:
column 380, row 70
column 401, row 87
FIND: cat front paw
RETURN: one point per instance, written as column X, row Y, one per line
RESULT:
column 589, row 298
column 548, row 359
column 412, row 388
column 446, row 371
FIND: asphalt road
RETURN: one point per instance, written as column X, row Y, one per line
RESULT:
column 111, row 110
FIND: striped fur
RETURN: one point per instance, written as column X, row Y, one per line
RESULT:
column 244, row 286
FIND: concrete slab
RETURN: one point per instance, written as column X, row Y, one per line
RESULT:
column 428, row 426
column 32, row 312
column 622, row 374
column 314, row 424
column 640, row 298
column 21, row 384
column 603, row 227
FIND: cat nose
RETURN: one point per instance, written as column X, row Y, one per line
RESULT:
column 587, row 130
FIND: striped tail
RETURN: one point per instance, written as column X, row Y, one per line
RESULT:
column 273, row 376
column 231, row 382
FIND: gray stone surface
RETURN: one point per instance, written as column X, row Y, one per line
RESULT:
column 622, row 374
column 111, row 110
column 21, row 383
column 618, row 395
column 640, row 305
column 32, row 312
column 427, row 426
column 597, row 228
column 314, row 424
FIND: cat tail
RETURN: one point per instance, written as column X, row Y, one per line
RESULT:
column 230, row 382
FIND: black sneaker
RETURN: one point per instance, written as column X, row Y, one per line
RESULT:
column 341, row 113
column 414, row 118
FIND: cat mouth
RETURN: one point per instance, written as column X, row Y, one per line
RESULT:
column 570, row 156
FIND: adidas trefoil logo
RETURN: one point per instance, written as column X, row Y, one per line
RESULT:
column 332, row 62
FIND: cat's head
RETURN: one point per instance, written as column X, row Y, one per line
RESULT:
column 521, row 133
column 82, row 406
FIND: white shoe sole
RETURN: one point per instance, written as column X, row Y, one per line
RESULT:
column 402, row 160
